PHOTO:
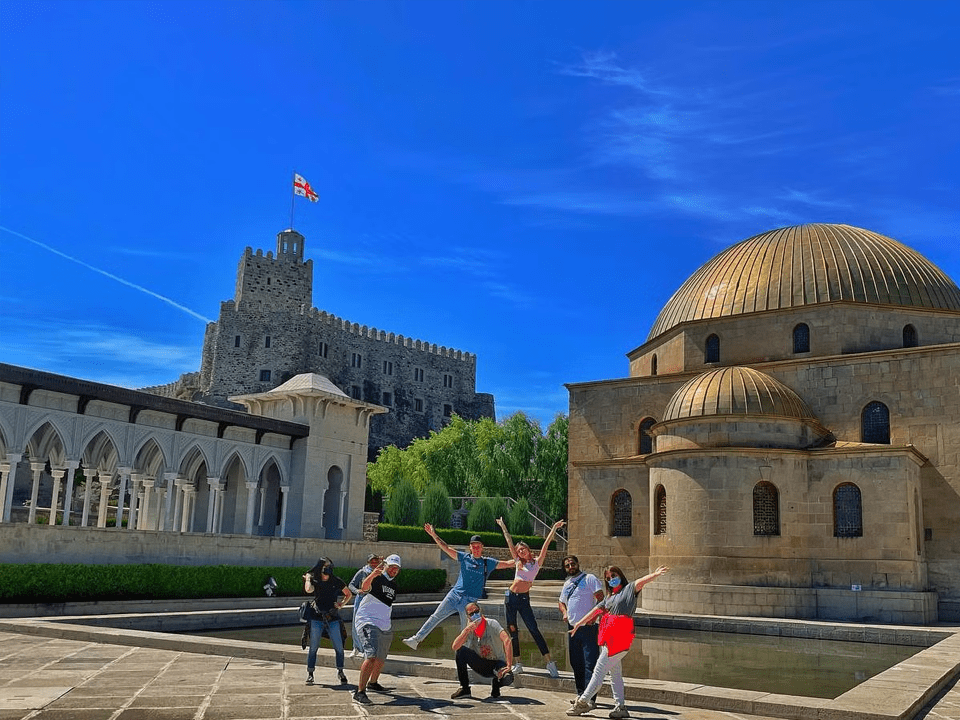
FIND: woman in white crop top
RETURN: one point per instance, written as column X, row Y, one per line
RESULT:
column 518, row 596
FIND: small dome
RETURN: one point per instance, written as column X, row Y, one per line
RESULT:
column 735, row 391
column 807, row 265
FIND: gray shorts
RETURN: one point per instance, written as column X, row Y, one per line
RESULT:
column 374, row 642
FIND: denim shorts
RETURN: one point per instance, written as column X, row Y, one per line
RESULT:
column 374, row 642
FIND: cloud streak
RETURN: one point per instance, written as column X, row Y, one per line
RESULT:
column 122, row 281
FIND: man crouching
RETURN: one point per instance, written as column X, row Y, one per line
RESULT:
column 484, row 646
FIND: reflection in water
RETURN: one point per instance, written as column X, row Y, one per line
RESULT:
column 789, row 666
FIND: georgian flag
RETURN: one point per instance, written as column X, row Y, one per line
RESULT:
column 302, row 188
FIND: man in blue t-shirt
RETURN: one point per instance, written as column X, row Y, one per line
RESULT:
column 474, row 570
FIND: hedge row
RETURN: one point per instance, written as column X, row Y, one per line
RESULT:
column 455, row 537
column 35, row 583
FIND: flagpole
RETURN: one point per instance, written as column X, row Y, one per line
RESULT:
column 293, row 197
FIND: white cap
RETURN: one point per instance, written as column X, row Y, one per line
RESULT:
column 393, row 560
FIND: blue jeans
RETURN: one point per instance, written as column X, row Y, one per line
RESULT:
column 584, row 652
column 451, row 603
column 316, row 630
column 519, row 603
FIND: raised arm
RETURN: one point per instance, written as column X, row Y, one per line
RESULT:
column 439, row 541
column 368, row 580
column 546, row 543
column 640, row 582
column 506, row 536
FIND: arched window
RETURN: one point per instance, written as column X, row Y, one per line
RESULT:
column 622, row 514
column 910, row 336
column 766, row 509
column 644, row 438
column 801, row 338
column 847, row 511
column 653, row 365
column 711, row 352
column 875, row 424
column 660, row 511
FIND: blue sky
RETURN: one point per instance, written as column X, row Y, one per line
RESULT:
column 529, row 181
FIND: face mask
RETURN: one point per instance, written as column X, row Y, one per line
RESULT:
column 475, row 617
column 614, row 582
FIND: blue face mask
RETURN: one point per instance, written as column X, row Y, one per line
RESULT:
column 475, row 617
column 614, row 582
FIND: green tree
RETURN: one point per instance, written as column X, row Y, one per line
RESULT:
column 481, row 516
column 437, row 508
column 518, row 520
column 403, row 507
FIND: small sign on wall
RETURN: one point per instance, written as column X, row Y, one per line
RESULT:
column 855, row 588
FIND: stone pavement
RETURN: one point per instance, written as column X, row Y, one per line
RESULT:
column 54, row 679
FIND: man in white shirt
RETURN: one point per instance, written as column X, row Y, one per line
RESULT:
column 373, row 624
column 580, row 594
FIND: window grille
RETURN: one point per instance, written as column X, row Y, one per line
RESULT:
column 418, row 405
column 622, row 514
column 847, row 511
column 766, row 509
column 875, row 424
column 660, row 505
column 801, row 338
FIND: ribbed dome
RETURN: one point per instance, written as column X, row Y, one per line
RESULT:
column 806, row 265
column 735, row 391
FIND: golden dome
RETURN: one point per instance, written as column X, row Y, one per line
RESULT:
column 735, row 391
column 807, row 265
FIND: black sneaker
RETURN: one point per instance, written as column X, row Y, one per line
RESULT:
column 374, row 685
column 309, row 678
column 461, row 692
column 343, row 678
column 361, row 697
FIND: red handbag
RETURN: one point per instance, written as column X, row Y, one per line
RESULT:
column 616, row 632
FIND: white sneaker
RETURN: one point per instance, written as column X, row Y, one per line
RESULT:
column 355, row 654
column 620, row 711
column 411, row 642
column 579, row 707
column 517, row 669
column 552, row 669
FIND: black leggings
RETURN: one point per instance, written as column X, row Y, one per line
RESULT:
column 519, row 604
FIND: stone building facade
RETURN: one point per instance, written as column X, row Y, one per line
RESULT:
column 270, row 332
column 788, row 438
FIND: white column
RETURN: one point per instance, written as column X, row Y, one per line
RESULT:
column 143, row 513
column 57, row 476
column 218, row 515
column 263, row 506
column 213, row 485
column 72, row 466
column 284, row 493
column 251, row 505
column 37, row 468
column 125, row 473
column 103, row 487
column 343, row 501
column 178, row 505
column 189, row 508
column 136, row 502
column 6, row 487
column 87, row 489
column 171, row 494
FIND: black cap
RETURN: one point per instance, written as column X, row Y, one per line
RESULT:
column 476, row 538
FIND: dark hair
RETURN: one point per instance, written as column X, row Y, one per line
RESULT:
column 613, row 570
column 324, row 566
column 570, row 557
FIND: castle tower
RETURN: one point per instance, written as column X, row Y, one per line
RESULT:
column 284, row 282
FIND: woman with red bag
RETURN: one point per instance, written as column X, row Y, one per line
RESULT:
column 616, row 634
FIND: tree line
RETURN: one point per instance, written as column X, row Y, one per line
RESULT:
column 476, row 458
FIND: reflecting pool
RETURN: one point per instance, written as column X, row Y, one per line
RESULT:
column 790, row 666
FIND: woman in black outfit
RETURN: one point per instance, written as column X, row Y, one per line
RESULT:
column 326, row 589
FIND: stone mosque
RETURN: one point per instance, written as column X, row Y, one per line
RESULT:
column 788, row 438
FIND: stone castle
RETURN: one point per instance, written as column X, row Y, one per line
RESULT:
column 270, row 332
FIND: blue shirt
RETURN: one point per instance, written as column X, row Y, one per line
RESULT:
column 473, row 574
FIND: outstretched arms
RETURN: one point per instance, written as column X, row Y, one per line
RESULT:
column 640, row 582
column 506, row 536
column 546, row 543
column 439, row 541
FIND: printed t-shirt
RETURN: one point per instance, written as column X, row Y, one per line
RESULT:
column 376, row 607
column 489, row 645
